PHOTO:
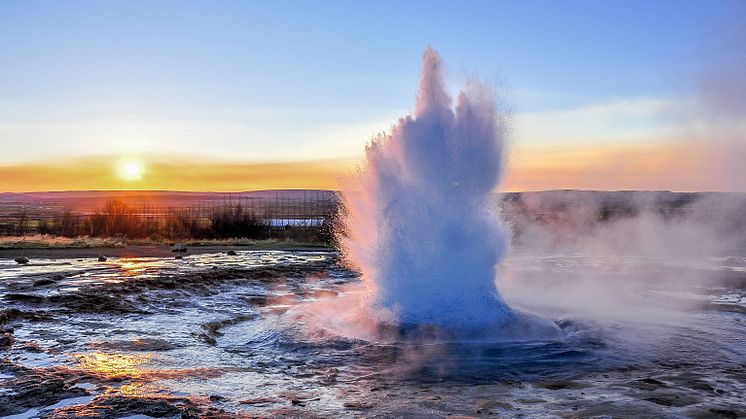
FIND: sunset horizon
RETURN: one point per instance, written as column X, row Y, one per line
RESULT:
column 233, row 209
column 648, row 167
column 672, row 120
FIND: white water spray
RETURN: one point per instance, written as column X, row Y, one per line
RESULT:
column 422, row 225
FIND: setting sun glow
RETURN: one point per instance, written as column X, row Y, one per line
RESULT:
column 131, row 170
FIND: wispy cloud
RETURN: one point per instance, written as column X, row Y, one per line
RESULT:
column 654, row 166
column 237, row 134
column 621, row 121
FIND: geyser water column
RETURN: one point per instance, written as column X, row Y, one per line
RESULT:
column 421, row 224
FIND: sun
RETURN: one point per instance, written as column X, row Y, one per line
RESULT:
column 131, row 169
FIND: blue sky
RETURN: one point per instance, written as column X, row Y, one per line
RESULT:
column 342, row 53
column 291, row 80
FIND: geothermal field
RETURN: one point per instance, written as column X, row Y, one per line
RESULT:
column 439, row 298
column 213, row 335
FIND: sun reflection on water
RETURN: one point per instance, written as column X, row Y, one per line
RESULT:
column 114, row 366
column 134, row 367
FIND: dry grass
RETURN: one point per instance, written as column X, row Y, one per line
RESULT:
column 264, row 244
column 44, row 241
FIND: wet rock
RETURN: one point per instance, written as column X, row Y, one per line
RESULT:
column 139, row 344
column 672, row 399
column 692, row 381
column 168, row 284
column 89, row 301
column 357, row 405
column 618, row 409
column 112, row 297
column 733, row 308
column 210, row 340
column 648, row 384
column 298, row 398
column 261, row 401
column 257, row 300
column 11, row 314
column 213, row 328
column 24, row 298
column 151, row 345
column 6, row 340
column 179, row 257
column 102, row 258
column 44, row 282
column 561, row 384
column 117, row 406
column 22, row 260
column 231, row 253
column 720, row 413
column 490, row 405
column 530, row 400
column 329, row 376
column 29, row 346
column 37, row 387
column 298, row 401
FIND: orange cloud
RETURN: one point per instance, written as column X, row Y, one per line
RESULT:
column 187, row 174
column 682, row 166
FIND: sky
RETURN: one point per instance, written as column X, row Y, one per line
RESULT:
column 240, row 95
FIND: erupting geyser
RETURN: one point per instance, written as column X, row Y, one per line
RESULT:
column 421, row 225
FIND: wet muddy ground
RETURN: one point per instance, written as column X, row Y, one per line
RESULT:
column 218, row 335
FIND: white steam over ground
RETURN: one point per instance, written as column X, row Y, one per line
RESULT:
column 645, row 255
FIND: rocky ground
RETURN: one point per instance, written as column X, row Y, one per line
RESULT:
column 219, row 335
